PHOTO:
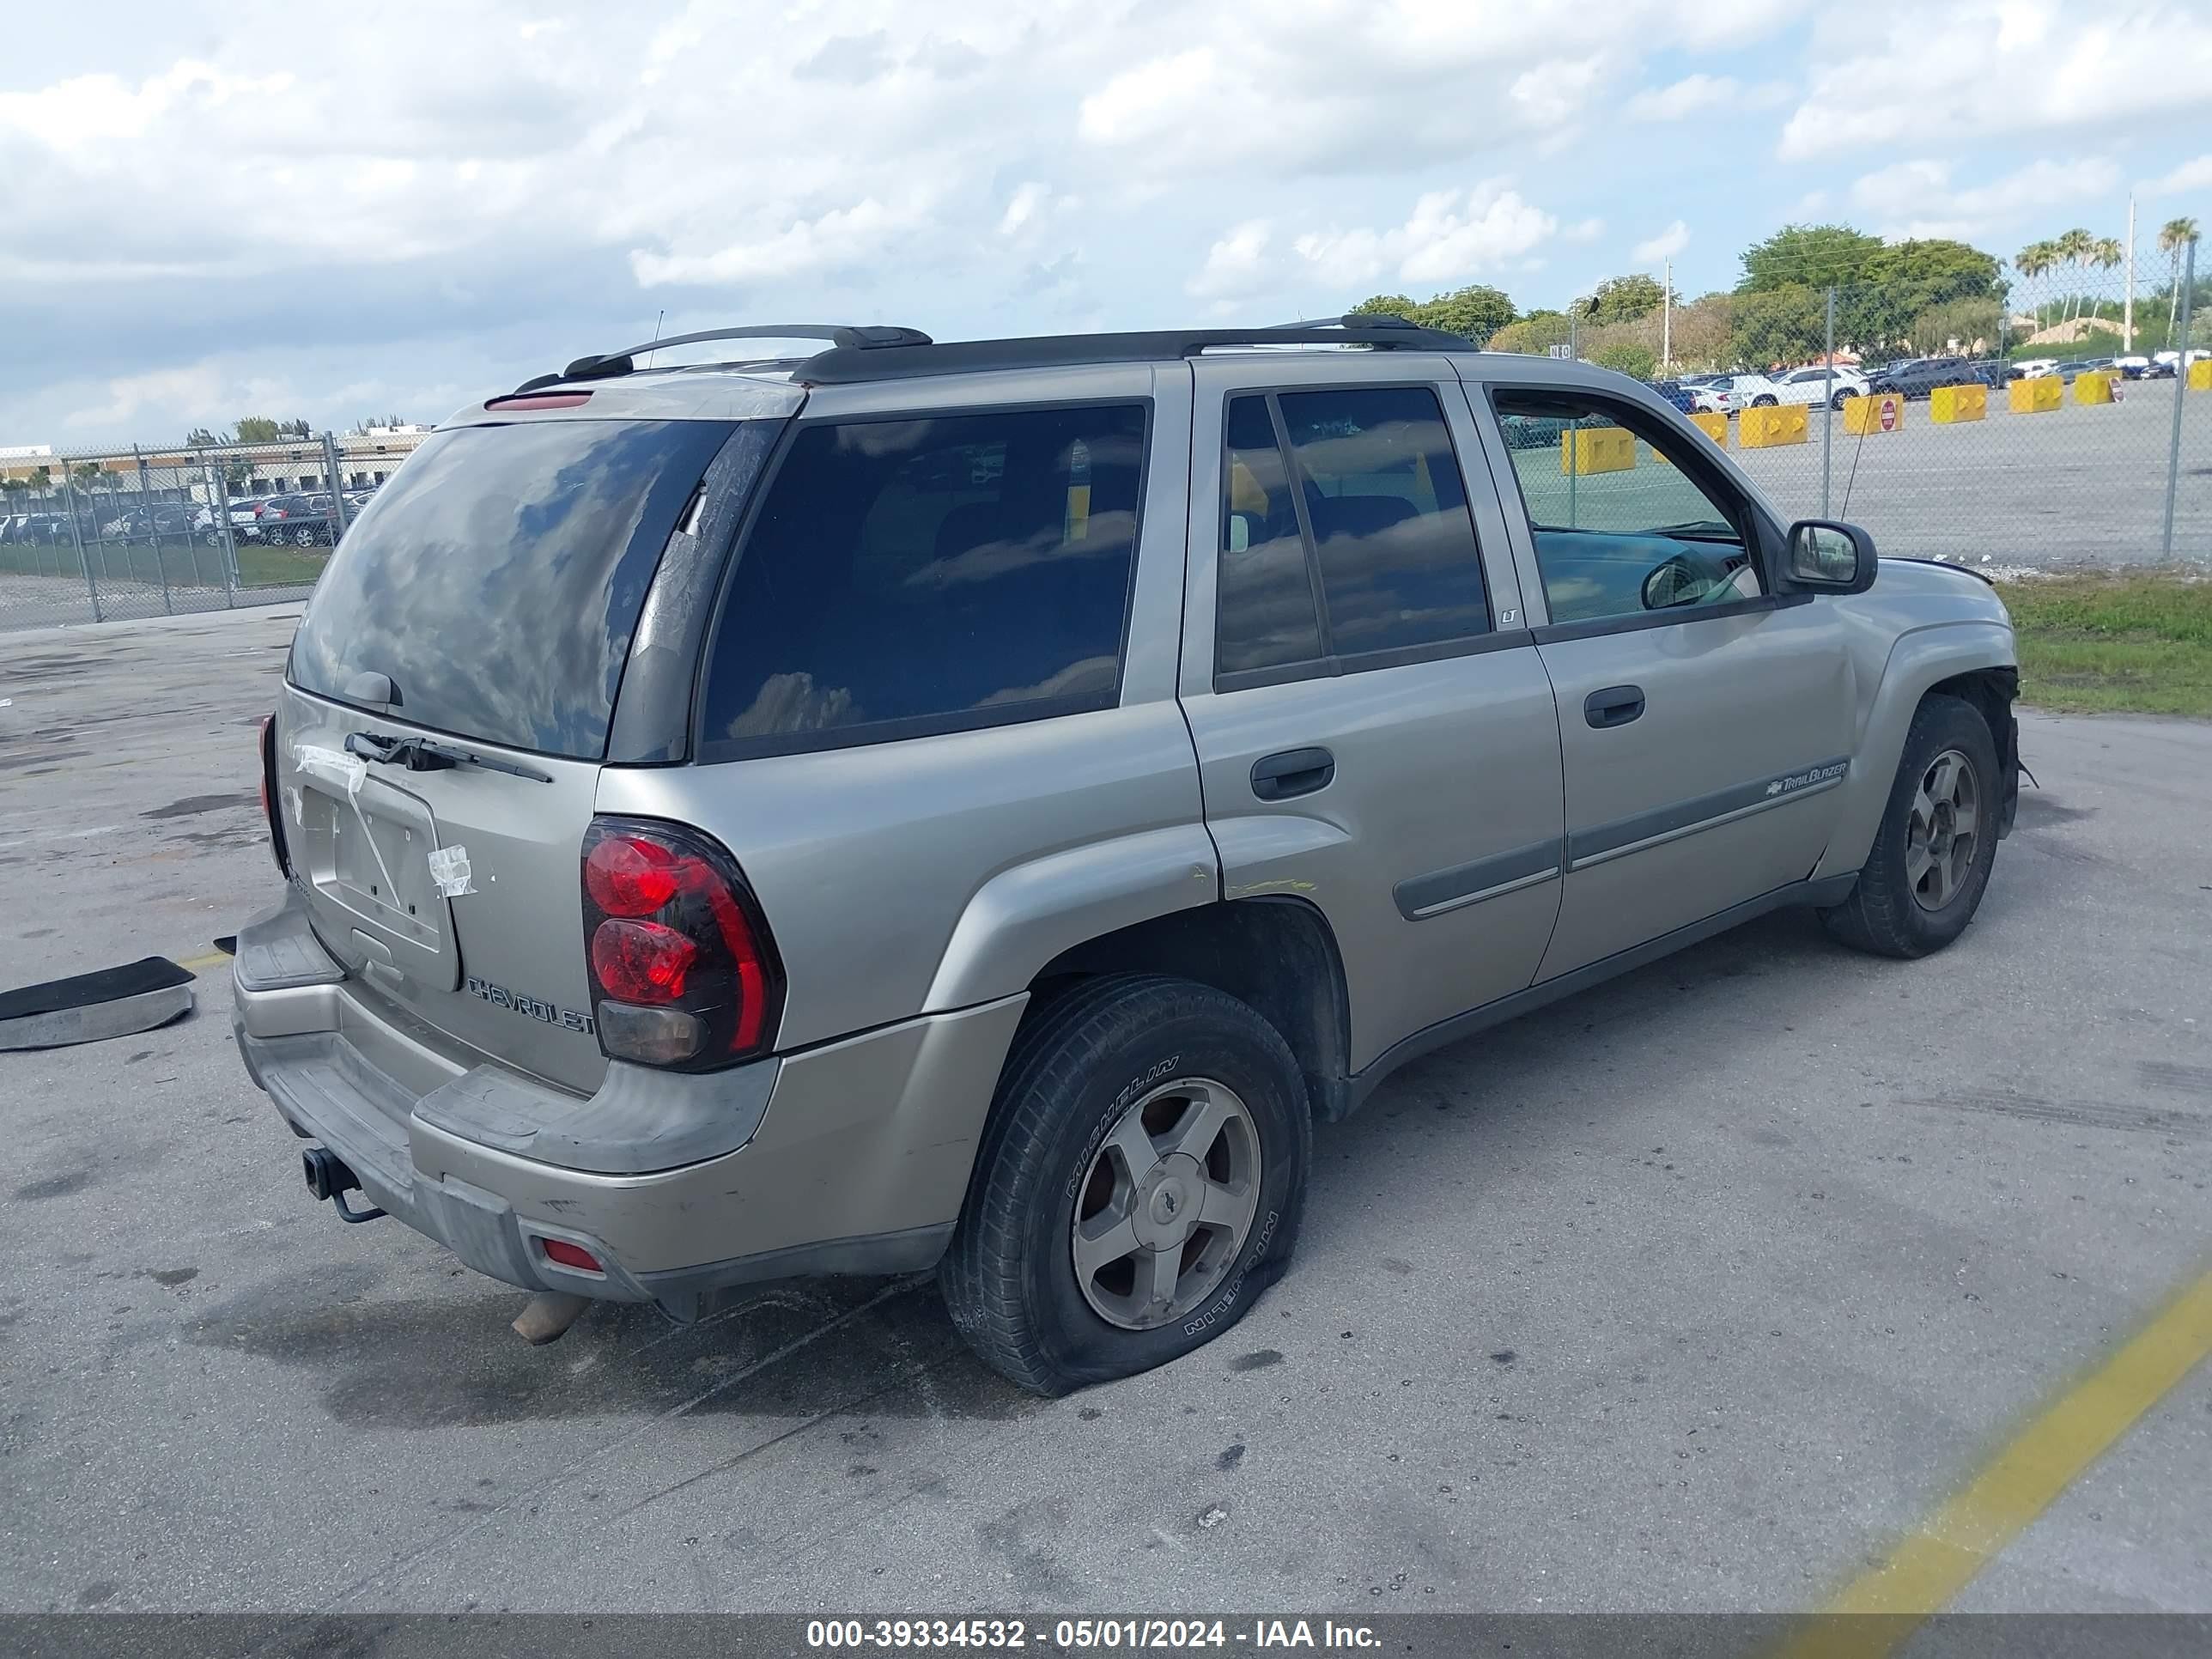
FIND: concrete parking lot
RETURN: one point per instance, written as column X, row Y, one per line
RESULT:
column 1701, row 1292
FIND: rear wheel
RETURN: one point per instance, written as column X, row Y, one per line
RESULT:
column 1139, row 1184
column 1765, row 400
column 1838, row 400
column 1925, row 876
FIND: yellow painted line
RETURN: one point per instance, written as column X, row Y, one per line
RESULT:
column 1966, row 1534
column 201, row 964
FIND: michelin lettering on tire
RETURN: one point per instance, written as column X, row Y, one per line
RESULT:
column 1230, row 1291
column 1113, row 1116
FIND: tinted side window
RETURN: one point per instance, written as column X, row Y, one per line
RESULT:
column 1389, row 517
column 1266, row 613
column 919, row 576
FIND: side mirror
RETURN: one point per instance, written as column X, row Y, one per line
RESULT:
column 1828, row 557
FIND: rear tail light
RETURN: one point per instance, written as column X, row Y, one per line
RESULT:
column 269, row 796
column 684, row 972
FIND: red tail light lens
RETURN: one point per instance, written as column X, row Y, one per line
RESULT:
column 683, row 971
column 641, row 961
column 629, row 876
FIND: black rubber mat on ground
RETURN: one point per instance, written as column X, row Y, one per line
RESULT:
column 80, row 990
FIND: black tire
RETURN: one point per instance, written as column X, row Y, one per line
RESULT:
column 1883, row 915
column 1838, row 400
column 1075, row 1065
column 1762, row 401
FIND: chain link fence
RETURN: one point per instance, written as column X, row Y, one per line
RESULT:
column 2066, row 424
column 107, row 535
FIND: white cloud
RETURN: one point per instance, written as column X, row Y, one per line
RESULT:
column 841, row 237
column 1691, row 96
column 1991, row 68
column 1584, row 230
column 1917, row 198
column 1665, row 245
column 1451, row 236
column 1235, row 266
column 1022, row 207
column 2190, row 175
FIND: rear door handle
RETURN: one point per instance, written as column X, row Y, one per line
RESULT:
column 1616, row 705
column 1293, row 772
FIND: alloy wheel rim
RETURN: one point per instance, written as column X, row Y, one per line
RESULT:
column 1166, row 1204
column 1943, row 831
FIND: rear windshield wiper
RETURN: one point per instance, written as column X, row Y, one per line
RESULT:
column 422, row 754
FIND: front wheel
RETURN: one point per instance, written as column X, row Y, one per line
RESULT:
column 1925, row 874
column 1839, row 400
column 1138, row 1184
column 1763, row 401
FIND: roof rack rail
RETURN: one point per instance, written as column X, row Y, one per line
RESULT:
column 842, row 365
column 1353, row 319
column 607, row 365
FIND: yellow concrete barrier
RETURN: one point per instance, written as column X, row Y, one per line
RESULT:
column 1765, row 428
column 1597, row 449
column 1884, row 412
column 2035, row 397
column 2092, row 388
column 1949, row 403
column 1713, row 425
column 2200, row 375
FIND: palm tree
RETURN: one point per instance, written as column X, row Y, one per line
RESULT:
column 2107, row 254
column 2073, row 250
column 2173, row 236
column 2034, row 261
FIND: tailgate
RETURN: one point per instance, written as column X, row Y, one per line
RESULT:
column 453, row 896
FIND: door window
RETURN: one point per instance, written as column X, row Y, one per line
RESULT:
column 1356, row 493
column 1622, row 525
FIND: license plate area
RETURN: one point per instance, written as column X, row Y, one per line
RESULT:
column 366, row 858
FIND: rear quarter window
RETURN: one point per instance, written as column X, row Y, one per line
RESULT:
column 906, row 577
column 498, row 577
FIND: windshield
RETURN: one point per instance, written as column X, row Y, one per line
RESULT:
column 497, row 579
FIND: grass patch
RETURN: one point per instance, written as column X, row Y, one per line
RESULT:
column 2136, row 644
column 279, row 567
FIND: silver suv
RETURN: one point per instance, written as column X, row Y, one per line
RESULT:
column 978, row 806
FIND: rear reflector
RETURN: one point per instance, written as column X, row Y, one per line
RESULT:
column 570, row 1255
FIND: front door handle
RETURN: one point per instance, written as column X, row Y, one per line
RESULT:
column 1293, row 772
column 1616, row 705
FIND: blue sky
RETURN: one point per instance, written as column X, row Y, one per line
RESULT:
column 207, row 211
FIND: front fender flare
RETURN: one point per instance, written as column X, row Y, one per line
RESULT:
column 1921, row 658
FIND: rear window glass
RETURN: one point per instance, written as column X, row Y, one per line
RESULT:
column 498, row 577
column 911, row 576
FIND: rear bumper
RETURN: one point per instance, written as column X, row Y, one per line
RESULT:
column 849, row 1158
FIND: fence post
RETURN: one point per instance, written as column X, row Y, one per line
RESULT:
column 153, row 529
column 337, row 487
column 218, row 485
column 2180, row 397
column 1827, row 399
column 76, row 536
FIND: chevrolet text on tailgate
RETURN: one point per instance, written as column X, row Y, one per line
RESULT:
column 977, row 806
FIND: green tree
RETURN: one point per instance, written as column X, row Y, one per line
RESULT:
column 1780, row 326
column 1625, row 299
column 1971, row 324
column 85, row 474
column 257, row 429
column 15, row 486
column 1477, row 311
column 1809, row 256
column 1627, row 358
column 200, row 438
column 2174, row 235
column 1381, row 304
column 1534, row 334
column 294, row 429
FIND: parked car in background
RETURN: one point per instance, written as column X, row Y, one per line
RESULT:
column 295, row 520
column 1816, row 384
column 1916, row 377
column 1745, row 391
column 2132, row 364
column 245, row 516
column 1995, row 373
column 1675, row 393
